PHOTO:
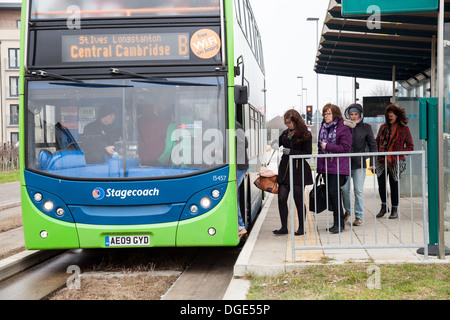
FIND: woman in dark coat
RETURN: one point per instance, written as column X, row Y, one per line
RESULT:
column 296, row 140
column 334, row 137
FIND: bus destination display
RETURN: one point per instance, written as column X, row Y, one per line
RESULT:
column 125, row 47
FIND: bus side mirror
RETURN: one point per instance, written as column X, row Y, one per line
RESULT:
column 240, row 94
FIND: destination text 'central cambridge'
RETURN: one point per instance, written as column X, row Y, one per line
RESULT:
column 118, row 47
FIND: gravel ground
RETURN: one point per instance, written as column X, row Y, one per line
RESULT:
column 136, row 274
column 123, row 287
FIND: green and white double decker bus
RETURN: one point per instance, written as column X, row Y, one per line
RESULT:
column 128, row 114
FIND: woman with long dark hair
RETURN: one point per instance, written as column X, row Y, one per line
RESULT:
column 393, row 135
column 296, row 140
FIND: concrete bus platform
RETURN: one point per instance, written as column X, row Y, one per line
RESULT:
column 267, row 254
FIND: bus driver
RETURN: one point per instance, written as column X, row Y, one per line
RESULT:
column 99, row 136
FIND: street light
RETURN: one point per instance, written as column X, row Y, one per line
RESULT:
column 317, row 75
column 306, row 96
column 301, row 95
column 301, row 103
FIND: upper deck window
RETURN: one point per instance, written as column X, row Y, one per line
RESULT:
column 56, row 9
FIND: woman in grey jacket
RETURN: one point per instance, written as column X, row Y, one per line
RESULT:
column 363, row 141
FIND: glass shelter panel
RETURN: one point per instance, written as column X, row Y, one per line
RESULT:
column 126, row 128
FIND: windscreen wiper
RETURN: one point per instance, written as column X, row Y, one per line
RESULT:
column 45, row 74
column 163, row 81
column 96, row 85
column 73, row 81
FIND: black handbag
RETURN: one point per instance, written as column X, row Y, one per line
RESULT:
column 318, row 196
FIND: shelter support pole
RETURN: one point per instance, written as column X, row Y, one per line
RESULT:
column 440, row 48
column 393, row 84
column 433, row 68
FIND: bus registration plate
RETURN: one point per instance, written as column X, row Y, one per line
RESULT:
column 126, row 241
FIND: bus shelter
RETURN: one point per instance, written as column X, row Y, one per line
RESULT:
column 401, row 46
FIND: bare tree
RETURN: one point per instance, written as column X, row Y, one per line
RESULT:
column 381, row 90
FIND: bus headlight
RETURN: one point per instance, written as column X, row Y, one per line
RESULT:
column 194, row 208
column 215, row 193
column 60, row 212
column 48, row 205
column 38, row 197
column 44, row 234
column 211, row 231
column 205, row 202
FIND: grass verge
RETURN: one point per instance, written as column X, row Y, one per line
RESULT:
column 9, row 176
column 356, row 282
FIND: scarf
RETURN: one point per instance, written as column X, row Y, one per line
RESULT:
column 291, row 134
column 388, row 139
column 328, row 132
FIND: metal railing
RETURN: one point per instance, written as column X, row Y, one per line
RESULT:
column 370, row 234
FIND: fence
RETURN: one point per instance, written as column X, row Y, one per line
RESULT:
column 9, row 157
column 374, row 233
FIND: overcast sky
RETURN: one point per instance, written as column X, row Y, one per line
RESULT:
column 289, row 43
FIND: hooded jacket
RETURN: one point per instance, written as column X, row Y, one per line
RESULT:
column 363, row 139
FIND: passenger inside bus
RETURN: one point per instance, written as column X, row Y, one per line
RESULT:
column 99, row 136
column 166, row 157
column 152, row 131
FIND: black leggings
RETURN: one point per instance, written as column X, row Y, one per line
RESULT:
column 382, row 188
column 283, row 196
column 335, row 183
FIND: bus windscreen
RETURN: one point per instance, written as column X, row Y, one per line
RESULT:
column 126, row 128
column 56, row 9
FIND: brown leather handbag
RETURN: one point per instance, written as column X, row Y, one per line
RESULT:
column 267, row 180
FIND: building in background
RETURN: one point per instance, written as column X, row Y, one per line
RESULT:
column 9, row 71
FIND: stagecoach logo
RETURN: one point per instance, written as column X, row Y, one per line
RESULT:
column 98, row 193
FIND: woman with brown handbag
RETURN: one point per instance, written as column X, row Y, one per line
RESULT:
column 296, row 140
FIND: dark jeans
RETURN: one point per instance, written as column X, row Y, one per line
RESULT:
column 283, row 196
column 335, row 182
column 382, row 188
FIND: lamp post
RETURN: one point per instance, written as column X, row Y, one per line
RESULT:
column 317, row 48
column 301, row 104
column 306, row 96
column 301, row 94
